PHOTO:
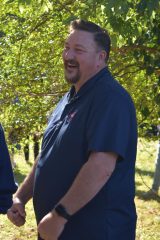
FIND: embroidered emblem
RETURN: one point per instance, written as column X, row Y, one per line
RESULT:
column 71, row 116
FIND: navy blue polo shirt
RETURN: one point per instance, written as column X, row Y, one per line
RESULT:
column 7, row 183
column 100, row 117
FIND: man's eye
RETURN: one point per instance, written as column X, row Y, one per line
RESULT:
column 66, row 48
column 78, row 50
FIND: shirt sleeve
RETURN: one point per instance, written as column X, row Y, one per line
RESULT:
column 109, row 125
column 7, row 183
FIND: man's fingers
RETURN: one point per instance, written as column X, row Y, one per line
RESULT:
column 19, row 206
column 21, row 210
column 19, row 222
column 10, row 215
column 15, row 217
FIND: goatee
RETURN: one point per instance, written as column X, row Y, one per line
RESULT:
column 71, row 66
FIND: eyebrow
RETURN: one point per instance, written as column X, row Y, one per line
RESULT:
column 80, row 46
column 76, row 45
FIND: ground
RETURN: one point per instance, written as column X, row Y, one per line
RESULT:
column 148, row 209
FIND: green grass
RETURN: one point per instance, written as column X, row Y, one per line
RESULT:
column 148, row 210
column 7, row 230
column 148, row 226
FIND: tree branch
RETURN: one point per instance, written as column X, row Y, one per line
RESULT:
column 125, row 49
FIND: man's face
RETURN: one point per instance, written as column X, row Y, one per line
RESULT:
column 80, row 56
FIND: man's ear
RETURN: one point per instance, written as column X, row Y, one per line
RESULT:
column 102, row 55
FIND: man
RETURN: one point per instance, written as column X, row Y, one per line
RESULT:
column 84, row 178
column 7, row 183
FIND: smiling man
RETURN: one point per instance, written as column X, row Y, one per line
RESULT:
column 82, row 57
column 84, row 177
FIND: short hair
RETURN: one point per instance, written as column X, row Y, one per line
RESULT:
column 101, row 36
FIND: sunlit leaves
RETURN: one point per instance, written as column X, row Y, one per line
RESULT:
column 32, row 34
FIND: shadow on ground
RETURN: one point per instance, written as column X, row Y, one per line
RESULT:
column 145, row 172
column 143, row 196
column 146, row 196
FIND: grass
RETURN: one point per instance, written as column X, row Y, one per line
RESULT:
column 27, row 232
column 148, row 225
column 148, row 209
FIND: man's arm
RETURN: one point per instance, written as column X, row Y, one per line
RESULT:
column 16, row 213
column 90, row 180
column 92, row 177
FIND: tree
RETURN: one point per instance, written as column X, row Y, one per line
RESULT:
column 32, row 33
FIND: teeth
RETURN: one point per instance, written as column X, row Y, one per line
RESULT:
column 70, row 65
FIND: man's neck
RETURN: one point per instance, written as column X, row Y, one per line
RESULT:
column 81, row 82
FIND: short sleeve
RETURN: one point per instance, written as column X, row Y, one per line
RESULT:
column 7, row 183
column 109, row 125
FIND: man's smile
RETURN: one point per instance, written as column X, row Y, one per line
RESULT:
column 70, row 65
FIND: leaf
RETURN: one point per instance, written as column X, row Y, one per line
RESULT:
column 25, row 2
column 69, row 19
column 21, row 8
column 10, row 1
column 49, row 4
column 149, row 70
column 114, row 40
column 45, row 7
column 141, row 6
column 2, row 34
column 145, row 111
column 157, row 99
column 153, row 5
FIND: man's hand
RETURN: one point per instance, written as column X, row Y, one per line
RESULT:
column 51, row 226
column 16, row 214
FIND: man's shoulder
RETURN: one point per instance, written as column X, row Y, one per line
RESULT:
column 108, row 87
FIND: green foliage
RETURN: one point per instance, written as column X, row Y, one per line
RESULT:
column 32, row 33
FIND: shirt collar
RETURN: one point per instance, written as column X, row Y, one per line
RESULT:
column 72, row 95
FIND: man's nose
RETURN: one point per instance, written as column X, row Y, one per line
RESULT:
column 69, row 54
